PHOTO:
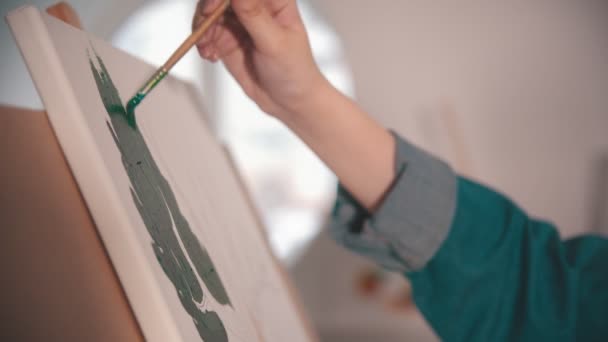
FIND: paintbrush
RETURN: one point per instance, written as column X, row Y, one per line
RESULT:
column 160, row 74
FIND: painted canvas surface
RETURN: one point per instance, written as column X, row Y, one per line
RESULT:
column 181, row 235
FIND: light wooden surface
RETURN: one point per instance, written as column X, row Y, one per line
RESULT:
column 65, row 12
column 58, row 283
column 256, row 283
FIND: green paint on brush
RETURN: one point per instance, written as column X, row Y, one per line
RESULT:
column 141, row 94
column 131, row 109
column 160, row 212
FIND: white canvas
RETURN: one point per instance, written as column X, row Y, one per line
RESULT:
column 181, row 160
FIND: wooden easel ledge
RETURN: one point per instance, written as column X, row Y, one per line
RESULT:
column 60, row 284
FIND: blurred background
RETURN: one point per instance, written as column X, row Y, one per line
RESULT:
column 512, row 94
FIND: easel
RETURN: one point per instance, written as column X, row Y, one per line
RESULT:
column 58, row 282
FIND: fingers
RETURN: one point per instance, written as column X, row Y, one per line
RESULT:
column 205, row 7
column 259, row 23
column 208, row 44
column 223, row 39
column 212, row 34
column 199, row 14
column 238, row 63
column 254, row 17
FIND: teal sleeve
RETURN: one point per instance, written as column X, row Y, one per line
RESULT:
column 502, row 276
column 481, row 269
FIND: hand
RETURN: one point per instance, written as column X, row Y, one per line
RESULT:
column 264, row 45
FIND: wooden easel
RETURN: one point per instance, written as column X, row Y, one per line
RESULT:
column 58, row 283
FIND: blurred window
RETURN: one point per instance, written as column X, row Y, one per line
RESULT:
column 291, row 188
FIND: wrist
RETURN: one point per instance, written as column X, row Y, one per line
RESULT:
column 313, row 103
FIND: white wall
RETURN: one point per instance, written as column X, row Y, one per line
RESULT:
column 526, row 79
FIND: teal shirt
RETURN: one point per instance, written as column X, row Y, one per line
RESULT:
column 480, row 268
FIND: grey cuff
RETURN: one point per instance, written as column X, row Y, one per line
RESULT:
column 413, row 220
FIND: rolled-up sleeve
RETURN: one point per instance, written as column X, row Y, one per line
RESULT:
column 413, row 220
column 480, row 268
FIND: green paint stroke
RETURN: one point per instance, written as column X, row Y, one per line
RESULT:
column 131, row 109
column 160, row 212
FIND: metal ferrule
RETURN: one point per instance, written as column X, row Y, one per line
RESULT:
column 153, row 81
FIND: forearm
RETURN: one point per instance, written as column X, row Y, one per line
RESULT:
column 264, row 45
column 354, row 146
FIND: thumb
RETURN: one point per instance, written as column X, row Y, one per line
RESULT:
column 259, row 23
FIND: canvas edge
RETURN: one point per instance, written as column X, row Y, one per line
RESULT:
column 288, row 284
column 95, row 183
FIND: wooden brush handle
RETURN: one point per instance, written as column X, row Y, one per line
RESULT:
column 195, row 36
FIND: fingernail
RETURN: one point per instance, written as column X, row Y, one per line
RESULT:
column 201, row 46
column 204, row 52
column 200, row 50
column 207, row 53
